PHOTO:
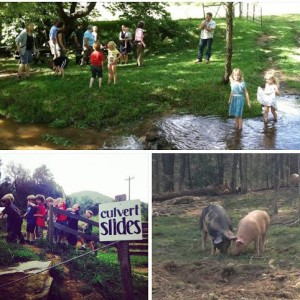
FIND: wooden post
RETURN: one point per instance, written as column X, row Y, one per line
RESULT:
column 124, row 260
column 50, row 225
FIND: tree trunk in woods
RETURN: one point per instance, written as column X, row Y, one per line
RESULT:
column 229, row 35
column 276, row 183
column 243, row 173
column 298, row 188
column 156, row 178
column 189, row 171
column 220, row 162
column 168, row 172
column 182, row 168
column 233, row 171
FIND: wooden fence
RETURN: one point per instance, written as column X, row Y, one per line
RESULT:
column 125, row 248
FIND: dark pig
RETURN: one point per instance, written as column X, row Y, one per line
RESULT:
column 252, row 228
column 215, row 222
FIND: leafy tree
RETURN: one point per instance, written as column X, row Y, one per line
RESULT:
column 158, row 23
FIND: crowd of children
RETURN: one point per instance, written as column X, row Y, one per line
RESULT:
column 37, row 215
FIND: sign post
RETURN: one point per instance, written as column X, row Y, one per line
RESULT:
column 121, row 221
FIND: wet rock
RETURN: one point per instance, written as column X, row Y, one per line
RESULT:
column 35, row 287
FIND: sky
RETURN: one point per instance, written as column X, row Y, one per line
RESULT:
column 100, row 171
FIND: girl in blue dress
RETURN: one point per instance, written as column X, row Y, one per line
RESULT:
column 237, row 97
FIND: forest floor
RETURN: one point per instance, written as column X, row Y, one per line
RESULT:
column 182, row 271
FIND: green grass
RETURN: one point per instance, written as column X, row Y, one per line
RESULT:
column 170, row 82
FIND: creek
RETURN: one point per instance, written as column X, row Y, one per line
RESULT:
column 182, row 132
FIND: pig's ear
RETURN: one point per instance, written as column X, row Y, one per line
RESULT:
column 218, row 240
column 229, row 235
column 240, row 241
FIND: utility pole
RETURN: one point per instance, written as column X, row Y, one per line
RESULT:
column 129, row 179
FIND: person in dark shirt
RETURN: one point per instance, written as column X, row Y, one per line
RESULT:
column 13, row 217
column 78, row 40
column 31, row 219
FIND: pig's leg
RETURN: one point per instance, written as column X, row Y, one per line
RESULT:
column 257, row 245
column 213, row 248
column 263, row 241
column 204, row 236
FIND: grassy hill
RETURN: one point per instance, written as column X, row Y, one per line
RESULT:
column 91, row 195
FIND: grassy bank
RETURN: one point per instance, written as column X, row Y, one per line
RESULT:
column 170, row 81
column 93, row 274
column 179, row 259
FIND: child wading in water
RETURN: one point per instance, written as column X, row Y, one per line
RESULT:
column 269, row 98
column 97, row 59
column 112, row 57
column 237, row 97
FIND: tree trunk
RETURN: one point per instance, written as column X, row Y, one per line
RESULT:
column 220, row 162
column 233, row 171
column 155, row 174
column 243, row 173
column 168, row 172
column 276, row 183
column 70, row 18
column 189, row 171
column 229, row 35
column 182, row 167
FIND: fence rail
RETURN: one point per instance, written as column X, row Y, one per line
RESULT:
column 139, row 248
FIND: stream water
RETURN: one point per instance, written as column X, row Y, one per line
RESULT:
column 182, row 132
column 191, row 132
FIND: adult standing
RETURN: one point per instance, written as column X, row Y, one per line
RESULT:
column 78, row 39
column 53, row 42
column 207, row 27
column 26, row 48
column 95, row 33
column 88, row 42
column 128, row 44
column 61, row 42
column 140, row 44
column 122, row 40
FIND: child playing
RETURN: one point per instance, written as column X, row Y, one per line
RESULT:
column 40, row 216
column 62, row 220
column 59, row 65
column 13, row 218
column 29, row 215
column 112, row 57
column 267, row 97
column 237, row 97
column 88, row 230
column 97, row 59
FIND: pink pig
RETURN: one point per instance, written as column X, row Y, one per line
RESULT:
column 295, row 179
column 252, row 228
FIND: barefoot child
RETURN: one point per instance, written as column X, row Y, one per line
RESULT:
column 97, row 59
column 269, row 95
column 112, row 57
column 237, row 97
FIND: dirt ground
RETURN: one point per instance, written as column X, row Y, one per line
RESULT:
column 213, row 279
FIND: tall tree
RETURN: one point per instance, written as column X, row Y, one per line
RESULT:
column 229, row 36
column 234, row 166
column 168, row 172
column 277, row 177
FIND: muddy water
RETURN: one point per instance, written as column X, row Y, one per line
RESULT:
column 183, row 132
column 17, row 136
column 212, row 133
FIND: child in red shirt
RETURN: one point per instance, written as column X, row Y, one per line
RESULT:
column 40, row 216
column 97, row 59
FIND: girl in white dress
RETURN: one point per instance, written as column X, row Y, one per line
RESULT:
column 267, row 97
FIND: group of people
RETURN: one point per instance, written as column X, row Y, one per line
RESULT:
column 88, row 49
column 267, row 96
column 37, row 215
